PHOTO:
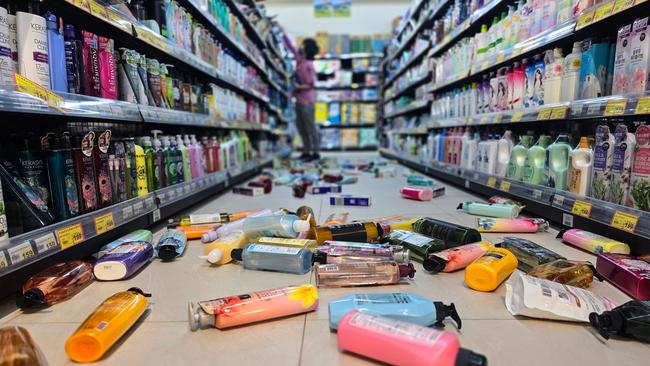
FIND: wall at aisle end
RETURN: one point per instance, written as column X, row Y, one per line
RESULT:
column 367, row 17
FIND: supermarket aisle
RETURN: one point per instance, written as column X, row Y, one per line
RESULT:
column 163, row 336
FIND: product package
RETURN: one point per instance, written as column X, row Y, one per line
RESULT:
column 500, row 225
column 122, row 261
column 18, row 347
column 603, row 159
column 631, row 275
column 639, row 196
column 138, row 235
column 630, row 320
column 593, row 243
column 572, row 273
column 323, row 189
column 349, row 200
column 171, row 244
column 248, row 191
column 528, row 254
column 55, row 284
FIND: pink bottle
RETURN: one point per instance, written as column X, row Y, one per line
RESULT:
column 453, row 259
column 198, row 156
column 630, row 274
column 400, row 343
column 504, row 225
column 417, row 193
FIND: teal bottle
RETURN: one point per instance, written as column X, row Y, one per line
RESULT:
column 65, row 200
column 536, row 161
column 518, row 158
column 557, row 162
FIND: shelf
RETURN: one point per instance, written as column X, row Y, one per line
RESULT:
column 350, row 56
column 358, row 125
column 619, row 222
column 411, row 131
column 349, row 148
column 411, row 86
column 406, row 66
column 349, row 101
column 345, row 87
column 407, row 41
column 250, row 28
column 413, row 11
column 414, row 107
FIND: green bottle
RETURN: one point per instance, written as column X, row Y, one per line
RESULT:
column 149, row 162
column 170, row 162
column 417, row 180
column 536, row 161
column 518, row 158
column 420, row 246
column 557, row 162
column 185, row 155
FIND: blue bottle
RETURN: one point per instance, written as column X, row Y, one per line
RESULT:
column 63, row 184
column 441, row 145
column 56, row 54
column 402, row 306
column 276, row 258
column 280, row 226
column 171, row 245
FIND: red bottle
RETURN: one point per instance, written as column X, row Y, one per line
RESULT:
column 55, row 284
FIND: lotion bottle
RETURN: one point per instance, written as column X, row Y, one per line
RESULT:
column 31, row 33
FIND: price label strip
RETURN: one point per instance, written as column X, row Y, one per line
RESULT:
column 104, row 223
column 621, row 5
column 27, row 86
column 615, row 108
column 585, row 19
column 3, row 261
column 581, row 208
column 46, row 243
column 70, row 236
column 516, row 116
column 544, row 114
column 558, row 112
column 20, row 253
column 492, row 182
column 643, row 106
column 504, row 186
column 625, row 221
column 603, row 11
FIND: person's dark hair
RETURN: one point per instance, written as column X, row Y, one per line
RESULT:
column 311, row 48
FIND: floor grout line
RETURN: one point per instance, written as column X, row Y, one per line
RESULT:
column 302, row 340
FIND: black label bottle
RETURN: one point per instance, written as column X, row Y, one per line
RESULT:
column 73, row 59
column 101, row 157
column 450, row 233
column 131, row 168
column 65, row 196
column 33, row 168
column 117, row 166
column 82, row 155
column 630, row 320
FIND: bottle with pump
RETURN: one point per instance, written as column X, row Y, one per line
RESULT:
column 170, row 162
column 33, row 167
column 55, row 284
column 402, row 306
column 536, row 161
column 197, row 162
column 65, row 198
column 185, row 156
column 517, row 161
column 177, row 159
column 31, row 33
column 141, row 171
column 452, row 234
column 339, row 254
column 581, row 163
column 220, row 251
column 362, row 274
column 19, row 348
column 149, row 157
column 630, row 320
column 420, row 246
column 490, row 270
column 82, row 156
column 276, row 258
column 557, row 162
column 171, row 245
column 504, row 148
column 284, row 226
column 100, row 156
column 56, row 55
column 192, row 168
column 159, row 166
column 131, row 168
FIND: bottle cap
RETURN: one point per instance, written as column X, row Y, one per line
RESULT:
column 167, row 252
column 31, row 297
column 214, row 256
column 301, row 226
column 209, row 236
column 198, row 318
column 139, row 291
column 443, row 311
column 407, row 270
column 319, row 257
column 434, row 264
column 466, row 357
column 236, row 254
column 402, row 256
column 607, row 323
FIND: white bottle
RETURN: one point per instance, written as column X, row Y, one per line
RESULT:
column 553, row 78
column 13, row 39
column 471, row 149
column 581, row 162
column 430, row 144
column 31, row 32
column 480, row 153
column 504, row 148
column 490, row 157
column 6, row 63
column 571, row 74
column 549, row 14
column 564, row 10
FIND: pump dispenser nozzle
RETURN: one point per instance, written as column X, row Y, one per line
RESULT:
column 443, row 311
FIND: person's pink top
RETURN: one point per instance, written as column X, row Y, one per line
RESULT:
column 306, row 75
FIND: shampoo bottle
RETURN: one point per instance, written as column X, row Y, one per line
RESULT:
column 528, row 254
column 102, row 171
column 19, row 347
column 490, row 210
column 572, row 273
column 56, row 55
column 74, row 60
column 625, row 143
column 159, row 167
column 536, row 161
column 82, row 156
column 275, row 258
column 630, row 320
column 504, row 149
column 55, row 284
column 557, row 162
column 138, row 235
column 603, row 159
column 593, row 243
column 185, row 156
column 123, row 261
column 452, row 234
column 517, row 161
column 107, row 68
column 356, row 231
column 504, row 225
column 453, row 259
column 581, row 163
column 92, row 75
column 150, row 167
column 220, row 251
column 141, row 171
column 33, row 168
column 31, row 33
column 171, row 245
column 65, row 199
column 420, row 246
column 6, row 62
column 284, row 226
column 571, row 74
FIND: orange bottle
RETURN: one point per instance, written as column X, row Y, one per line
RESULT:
column 197, row 231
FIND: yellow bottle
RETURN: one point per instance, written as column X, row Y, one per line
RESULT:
column 110, row 320
column 141, row 171
column 218, row 252
column 403, row 225
column 286, row 242
column 487, row 272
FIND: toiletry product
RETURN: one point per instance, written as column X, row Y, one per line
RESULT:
column 504, row 149
column 82, row 155
column 452, row 234
column 572, row 273
column 171, row 244
column 339, row 254
column 104, row 327
column 19, row 348
column 216, row 218
column 503, row 225
column 581, row 163
column 236, row 225
column 505, row 201
column 323, row 189
column 593, row 243
column 630, row 320
column 622, row 76
column 490, row 270
column 55, row 284
column 624, row 146
column 275, row 258
column 141, row 171
column 102, row 171
column 65, row 199
column 603, row 159
column 554, row 71
column 358, row 246
column 593, row 69
column 107, row 68
column 557, row 163
column 528, row 254
column 253, row 307
column 402, row 306
column 419, row 245
column 630, row 274
column 517, row 161
column 336, row 219
column 31, row 34
column 417, row 193
column 639, row 67
column 74, row 60
column 138, row 235
column 285, row 242
column 538, row 298
column 131, row 89
column 185, row 156
column 92, row 74
column 150, row 167
column 220, row 250
column 376, row 337
column 349, row 200
column 284, row 226
column 533, row 96
column 536, row 161
column 490, row 210
column 56, row 55
column 266, row 186
column 33, row 168
column 361, row 274
column 122, row 261
column 640, row 178
column 248, row 191
column 356, row 231
column 417, row 180
column 153, row 77
column 6, row 62
column 571, row 74
column 196, row 231
column 453, row 259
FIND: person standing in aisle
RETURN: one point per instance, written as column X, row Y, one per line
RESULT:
column 305, row 93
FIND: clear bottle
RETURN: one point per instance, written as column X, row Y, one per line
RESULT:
column 567, row 272
column 581, row 162
column 283, row 226
column 55, row 284
column 18, row 348
column 340, row 254
column 504, row 149
column 362, row 274
column 276, row 258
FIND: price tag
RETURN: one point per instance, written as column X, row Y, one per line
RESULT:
column 171, row 194
column 498, row 118
column 593, row 109
column 138, row 208
column 156, row 215
column 558, row 112
column 504, row 186
column 179, row 191
column 186, row 189
column 80, row 4
column 98, row 9
column 501, row 57
column 558, row 200
column 104, row 223
column 150, row 37
column 581, row 208
column 603, row 12
column 27, row 86
column 149, row 201
column 20, row 252
column 537, row 194
column 492, row 182
column 625, row 221
column 46, row 243
column 544, row 114
column 585, row 19
column 71, row 235
column 643, row 106
column 516, row 116
column 127, row 212
column 484, row 120
column 485, row 65
column 615, row 108
column 621, row 5
column 3, row 261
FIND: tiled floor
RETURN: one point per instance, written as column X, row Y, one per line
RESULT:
column 164, row 338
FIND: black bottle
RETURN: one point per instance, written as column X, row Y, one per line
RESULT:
column 630, row 320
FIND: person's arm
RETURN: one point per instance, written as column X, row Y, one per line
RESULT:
column 289, row 44
column 308, row 78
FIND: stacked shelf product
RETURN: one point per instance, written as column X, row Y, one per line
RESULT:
column 346, row 101
column 550, row 110
column 82, row 161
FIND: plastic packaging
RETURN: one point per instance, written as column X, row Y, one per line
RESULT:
column 452, row 234
column 572, row 273
column 622, row 165
column 138, row 235
column 220, row 250
column 197, row 231
column 237, row 225
column 284, row 226
column 336, row 219
column 18, row 348
column 361, row 274
column 453, row 259
column 286, row 242
column 490, row 270
column 528, row 254
column 253, row 307
column 419, row 245
column 275, row 258
column 630, row 320
column 349, row 200
column 339, row 254
column 581, row 163
column 417, row 180
column 538, row 298
column 123, row 261
column 220, row 218
column 640, row 179
column 171, row 244
column 400, row 343
column 490, row 210
column 417, row 193
column 55, row 284
column 603, row 159
column 592, row 242
column 356, row 231
column 110, row 320
column 499, row 225
column 402, row 306
column 631, row 275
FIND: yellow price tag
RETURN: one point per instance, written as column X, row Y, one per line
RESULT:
column 27, row 86
column 3, row 261
column 581, row 208
column 558, row 112
column 71, row 235
column 625, row 221
column 643, row 106
column 544, row 114
column 604, row 11
column 104, row 223
column 98, row 9
column 80, row 4
column 492, row 182
column 621, row 5
column 484, row 120
column 485, row 65
column 585, row 19
column 615, row 108
column 498, row 118
column 504, row 186
column 637, row 2
column 516, row 116
column 501, row 57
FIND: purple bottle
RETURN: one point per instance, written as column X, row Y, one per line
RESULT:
column 628, row 273
column 123, row 261
column 101, row 157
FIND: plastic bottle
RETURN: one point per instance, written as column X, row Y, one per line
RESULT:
column 417, row 193
column 490, row 270
column 571, row 74
column 33, row 167
column 501, row 225
column 528, row 254
column 102, row 171
column 159, row 166
column 593, row 243
column 376, row 337
column 197, row 162
column 141, row 171
column 334, row 254
column 6, row 62
column 580, row 168
column 452, row 234
column 402, row 306
column 276, row 258
column 220, row 218
column 85, row 171
column 170, row 162
column 150, row 168
column 237, row 225
column 31, row 31
column 219, row 251
column 554, row 72
column 356, row 231
column 362, row 274
column 557, row 162
column 253, row 307
column 284, row 226
column 74, row 60
column 110, row 321
column 603, row 160
column 196, row 231
column 123, row 261
column 185, row 156
column 453, row 259
column 171, row 244
column 138, row 235
column 630, row 320
column 18, row 347
column 572, row 273
column 65, row 198
column 56, row 54
column 490, row 210
column 490, row 156
column 177, row 159
column 622, row 165
column 536, row 161
column 55, row 284
column 504, row 148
